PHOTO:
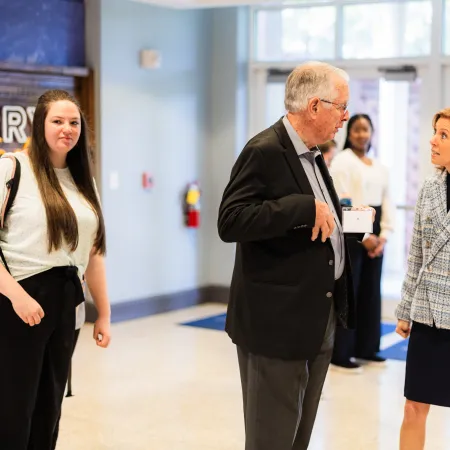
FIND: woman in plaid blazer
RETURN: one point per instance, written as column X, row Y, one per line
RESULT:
column 424, row 311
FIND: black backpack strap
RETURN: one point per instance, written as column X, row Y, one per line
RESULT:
column 12, row 185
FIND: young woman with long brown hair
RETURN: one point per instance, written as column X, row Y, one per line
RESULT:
column 54, row 235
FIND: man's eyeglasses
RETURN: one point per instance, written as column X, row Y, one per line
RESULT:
column 340, row 106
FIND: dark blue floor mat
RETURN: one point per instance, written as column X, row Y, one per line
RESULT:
column 397, row 351
column 216, row 322
column 387, row 328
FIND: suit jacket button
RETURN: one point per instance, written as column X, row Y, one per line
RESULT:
column 329, row 294
column 330, row 262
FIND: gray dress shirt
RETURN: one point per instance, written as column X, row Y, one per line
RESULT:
column 307, row 158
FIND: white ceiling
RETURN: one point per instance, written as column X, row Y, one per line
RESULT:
column 185, row 4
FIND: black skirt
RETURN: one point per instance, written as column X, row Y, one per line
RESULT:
column 428, row 365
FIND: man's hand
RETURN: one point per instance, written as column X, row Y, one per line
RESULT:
column 324, row 221
column 403, row 328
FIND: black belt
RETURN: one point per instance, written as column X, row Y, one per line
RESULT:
column 72, row 288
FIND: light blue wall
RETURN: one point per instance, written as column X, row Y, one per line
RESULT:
column 181, row 122
column 228, row 127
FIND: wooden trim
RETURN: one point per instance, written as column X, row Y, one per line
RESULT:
column 50, row 70
column 85, row 92
column 137, row 309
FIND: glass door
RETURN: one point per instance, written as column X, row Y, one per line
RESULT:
column 395, row 107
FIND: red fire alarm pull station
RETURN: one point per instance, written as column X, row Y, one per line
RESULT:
column 147, row 181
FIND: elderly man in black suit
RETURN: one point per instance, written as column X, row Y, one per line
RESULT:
column 291, row 283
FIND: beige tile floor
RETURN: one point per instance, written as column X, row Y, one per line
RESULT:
column 161, row 386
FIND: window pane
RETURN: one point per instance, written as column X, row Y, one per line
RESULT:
column 447, row 27
column 295, row 33
column 386, row 30
column 296, row 2
column 274, row 102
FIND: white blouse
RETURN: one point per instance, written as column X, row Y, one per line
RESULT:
column 24, row 239
column 364, row 185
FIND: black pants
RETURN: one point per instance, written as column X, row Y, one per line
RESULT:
column 56, row 433
column 365, row 340
column 35, row 360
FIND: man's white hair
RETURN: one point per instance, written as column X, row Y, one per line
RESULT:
column 312, row 79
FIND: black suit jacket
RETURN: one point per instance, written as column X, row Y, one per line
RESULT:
column 283, row 283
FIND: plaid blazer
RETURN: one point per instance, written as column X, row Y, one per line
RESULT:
column 426, row 288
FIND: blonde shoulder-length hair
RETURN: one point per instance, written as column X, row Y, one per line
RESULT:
column 442, row 114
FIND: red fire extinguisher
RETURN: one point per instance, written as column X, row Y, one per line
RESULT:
column 192, row 205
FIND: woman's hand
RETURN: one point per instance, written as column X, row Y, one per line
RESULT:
column 370, row 243
column 102, row 331
column 28, row 309
column 403, row 328
column 379, row 249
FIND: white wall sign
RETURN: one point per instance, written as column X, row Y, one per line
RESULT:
column 14, row 120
